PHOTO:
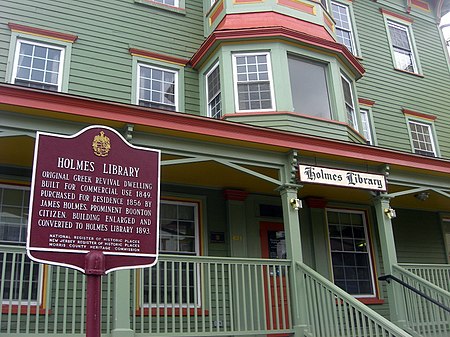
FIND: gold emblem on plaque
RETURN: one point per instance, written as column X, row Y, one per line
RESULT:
column 101, row 145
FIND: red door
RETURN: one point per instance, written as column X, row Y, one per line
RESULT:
column 273, row 246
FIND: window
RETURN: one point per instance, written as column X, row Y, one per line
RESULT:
column 13, row 215
column 213, row 93
column 349, row 103
column 178, row 228
column 175, row 282
column 19, row 276
column 38, row 65
column 173, row 3
column 157, row 87
column 309, row 87
column 366, row 126
column 401, row 46
column 344, row 31
column 422, row 139
column 350, row 252
column 253, row 82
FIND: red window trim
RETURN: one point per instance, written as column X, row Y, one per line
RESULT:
column 24, row 309
column 419, row 114
column 172, row 312
column 395, row 15
column 43, row 32
column 370, row 300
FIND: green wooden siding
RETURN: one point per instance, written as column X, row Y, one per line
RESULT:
column 101, row 63
column 418, row 237
column 301, row 124
column 393, row 90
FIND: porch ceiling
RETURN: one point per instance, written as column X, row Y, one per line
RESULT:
column 17, row 152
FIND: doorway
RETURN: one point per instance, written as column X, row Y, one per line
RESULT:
column 273, row 246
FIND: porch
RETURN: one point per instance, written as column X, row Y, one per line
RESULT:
column 209, row 296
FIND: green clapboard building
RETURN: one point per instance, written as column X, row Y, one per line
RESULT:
column 305, row 163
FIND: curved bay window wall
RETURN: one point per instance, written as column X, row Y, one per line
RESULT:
column 282, row 86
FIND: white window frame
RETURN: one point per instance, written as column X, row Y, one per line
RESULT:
column 367, row 129
column 406, row 28
column 17, row 264
column 350, row 30
column 270, row 81
column 195, row 302
column 430, row 129
column 218, row 93
column 176, row 85
column 348, row 105
column 369, row 252
column 19, row 43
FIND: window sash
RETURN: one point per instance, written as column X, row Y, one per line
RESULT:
column 351, row 256
column 173, row 3
column 253, row 84
column 21, row 281
column 309, row 87
column 422, row 139
column 38, row 65
column 213, row 93
column 402, row 47
column 366, row 126
column 157, row 87
column 344, row 29
column 167, row 282
column 349, row 103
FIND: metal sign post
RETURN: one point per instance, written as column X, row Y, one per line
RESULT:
column 94, row 207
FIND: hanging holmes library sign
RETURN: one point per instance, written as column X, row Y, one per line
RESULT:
column 94, row 192
column 342, row 178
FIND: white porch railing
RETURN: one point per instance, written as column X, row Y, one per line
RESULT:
column 422, row 316
column 41, row 299
column 331, row 312
column 181, row 295
column 185, row 295
column 438, row 274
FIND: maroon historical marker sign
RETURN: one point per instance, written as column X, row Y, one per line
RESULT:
column 94, row 192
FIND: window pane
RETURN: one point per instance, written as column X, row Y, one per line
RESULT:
column 351, row 260
column 38, row 66
column 253, row 86
column 161, row 88
column 309, row 87
column 344, row 32
column 422, row 139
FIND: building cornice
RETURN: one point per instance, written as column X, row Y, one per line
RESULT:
column 257, row 33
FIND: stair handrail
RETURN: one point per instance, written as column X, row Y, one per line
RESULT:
column 428, row 284
column 376, row 317
column 389, row 277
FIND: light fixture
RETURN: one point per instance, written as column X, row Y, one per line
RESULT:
column 422, row 196
column 296, row 203
column 390, row 213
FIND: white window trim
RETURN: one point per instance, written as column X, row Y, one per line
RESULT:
column 198, row 302
column 269, row 70
column 149, row 65
column 354, row 115
column 208, row 101
column 430, row 128
column 40, row 267
column 405, row 28
column 366, row 122
column 46, row 45
column 374, row 293
column 353, row 50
